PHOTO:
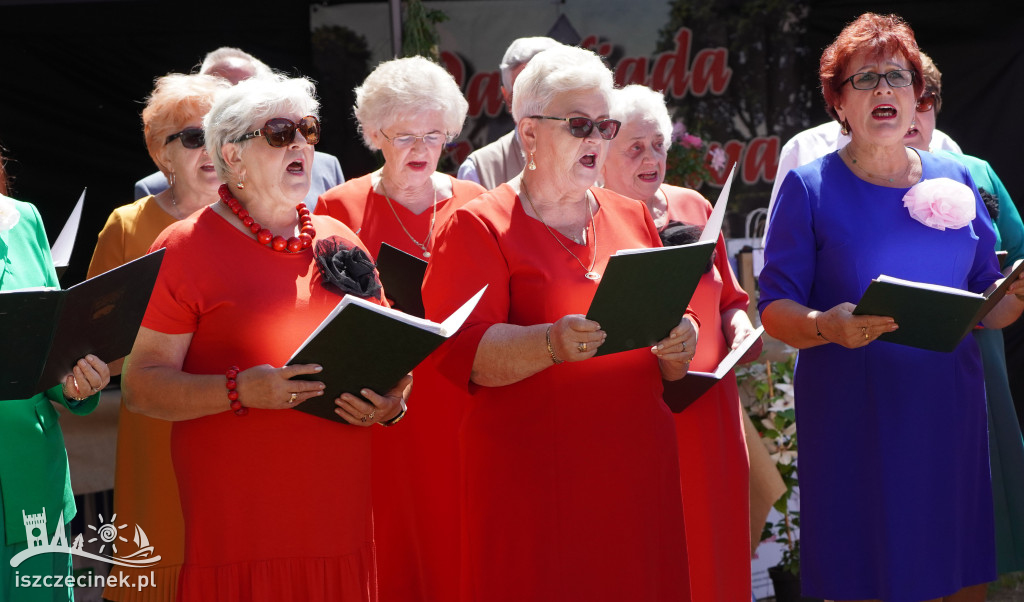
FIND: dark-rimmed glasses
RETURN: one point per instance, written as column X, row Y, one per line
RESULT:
column 580, row 127
column 190, row 138
column 431, row 139
column 927, row 102
column 868, row 80
column 280, row 131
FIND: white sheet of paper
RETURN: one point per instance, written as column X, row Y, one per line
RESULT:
column 65, row 243
column 714, row 226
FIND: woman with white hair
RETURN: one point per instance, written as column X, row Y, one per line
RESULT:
column 408, row 108
column 712, row 447
column 145, row 491
column 571, row 473
column 268, row 514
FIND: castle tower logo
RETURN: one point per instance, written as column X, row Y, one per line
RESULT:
column 113, row 546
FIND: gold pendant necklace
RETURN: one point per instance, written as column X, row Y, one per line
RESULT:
column 433, row 216
column 590, row 273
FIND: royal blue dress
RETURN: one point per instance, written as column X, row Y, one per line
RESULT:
column 895, row 496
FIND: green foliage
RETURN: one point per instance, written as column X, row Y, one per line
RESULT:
column 419, row 30
column 773, row 414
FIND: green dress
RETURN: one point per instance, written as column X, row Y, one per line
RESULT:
column 33, row 462
column 1006, row 446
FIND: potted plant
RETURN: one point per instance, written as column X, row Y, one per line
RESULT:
column 690, row 162
column 769, row 388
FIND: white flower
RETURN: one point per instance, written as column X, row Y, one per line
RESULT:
column 9, row 215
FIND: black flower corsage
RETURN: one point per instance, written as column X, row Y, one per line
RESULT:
column 346, row 268
column 677, row 233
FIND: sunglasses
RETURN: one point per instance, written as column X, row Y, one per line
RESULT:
column 869, row 80
column 927, row 103
column 581, row 127
column 190, row 138
column 280, row 131
column 433, row 139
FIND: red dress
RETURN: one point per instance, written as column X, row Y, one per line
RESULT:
column 276, row 503
column 712, row 449
column 571, row 476
column 416, row 463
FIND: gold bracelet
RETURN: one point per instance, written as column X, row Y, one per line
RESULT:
column 397, row 417
column 547, row 337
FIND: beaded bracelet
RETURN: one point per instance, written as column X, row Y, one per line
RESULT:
column 551, row 351
column 232, row 385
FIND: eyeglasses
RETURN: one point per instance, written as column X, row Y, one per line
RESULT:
column 280, row 131
column 580, row 127
column 190, row 138
column 433, row 139
column 868, row 80
column 927, row 102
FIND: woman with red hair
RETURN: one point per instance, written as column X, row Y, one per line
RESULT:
column 896, row 501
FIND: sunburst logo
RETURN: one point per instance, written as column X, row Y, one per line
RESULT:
column 108, row 533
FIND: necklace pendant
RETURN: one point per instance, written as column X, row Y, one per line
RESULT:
column 426, row 254
column 593, row 275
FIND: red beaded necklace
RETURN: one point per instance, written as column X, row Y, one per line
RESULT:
column 265, row 237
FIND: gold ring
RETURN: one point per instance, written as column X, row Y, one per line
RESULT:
column 292, row 399
column 866, row 337
column 363, row 419
column 582, row 347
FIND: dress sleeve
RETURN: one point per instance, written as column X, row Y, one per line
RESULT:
column 109, row 251
column 79, row 408
column 985, row 269
column 174, row 305
column 790, row 256
column 467, row 258
column 1011, row 229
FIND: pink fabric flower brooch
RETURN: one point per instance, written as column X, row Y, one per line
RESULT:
column 941, row 203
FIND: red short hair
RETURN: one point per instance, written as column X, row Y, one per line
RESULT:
column 881, row 36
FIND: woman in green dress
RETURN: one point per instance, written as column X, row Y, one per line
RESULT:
column 34, row 476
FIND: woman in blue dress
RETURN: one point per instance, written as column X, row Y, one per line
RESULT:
column 896, row 501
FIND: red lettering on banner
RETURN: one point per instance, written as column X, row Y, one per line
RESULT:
column 757, row 159
column 710, row 66
column 669, row 73
column 762, row 159
column 631, row 70
column 484, row 94
column 453, row 63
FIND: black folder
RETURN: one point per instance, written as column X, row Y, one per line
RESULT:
column 45, row 331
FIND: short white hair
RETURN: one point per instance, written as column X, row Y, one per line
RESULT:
column 214, row 58
column 519, row 52
column 556, row 71
column 407, row 87
column 635, row 102
column 246, row 106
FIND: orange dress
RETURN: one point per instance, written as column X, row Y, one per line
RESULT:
column 277, row 502
column 416, row 470
column 712, row 448
column 571, row 476
column 145, row 490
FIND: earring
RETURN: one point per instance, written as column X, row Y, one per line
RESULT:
column 240, row 185
column 531, row 166
column 844, row 127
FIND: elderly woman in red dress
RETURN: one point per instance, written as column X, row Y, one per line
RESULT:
column 571, row 472
column 276, row 502
column 408, row 109
column 712, row 448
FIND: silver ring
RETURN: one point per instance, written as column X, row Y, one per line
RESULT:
column 371, row 415
column 292, row 399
